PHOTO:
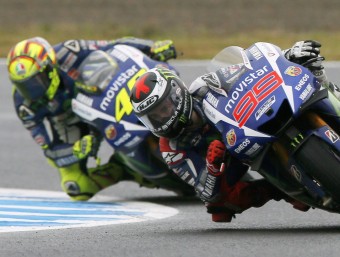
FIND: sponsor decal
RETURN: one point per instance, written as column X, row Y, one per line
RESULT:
column 116, row 85
column 209, row 186
column 253, row 149
column 68, row 62
column 242, row 146
column 246, row 60
column 229, row 71
column 20, row 69
column 73, row 73
column 269, row 50
column 264, row 108
column 172, row 157
column 302, row 81
column 162, row 66
column 196, row 139
column 185, row 174
column 334, row 137
column 72, row 45
column 119, row 55
column 306, row 92
column 147, row 103
column 212, row 99
column 123, row 139
column 133, row 142
column 293, row 71
column 87, row 88
column 242, row 87
column 40, row 139
column 110, row 132
column 81, row 111
column 25, row 113
column 231, row 137
column 295, row 172
column 208, row 111
column 256, row 53
column 252, row 98
column 84, row 99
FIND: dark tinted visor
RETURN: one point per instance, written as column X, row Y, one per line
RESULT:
column 34, row 88
column 165, row 113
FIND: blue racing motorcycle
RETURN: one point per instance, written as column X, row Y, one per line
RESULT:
column 279, row 119
column 104, row 82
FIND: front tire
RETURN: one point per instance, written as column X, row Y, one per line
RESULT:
column 322, row 163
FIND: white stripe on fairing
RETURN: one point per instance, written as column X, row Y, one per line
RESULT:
column 272, row 61
column 218, row 116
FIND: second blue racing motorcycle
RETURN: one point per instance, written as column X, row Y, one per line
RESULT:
column 104, row 82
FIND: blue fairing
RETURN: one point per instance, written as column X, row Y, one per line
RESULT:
column 109, row 109
column 269, row 87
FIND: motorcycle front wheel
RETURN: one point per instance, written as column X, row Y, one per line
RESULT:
column 322, row 162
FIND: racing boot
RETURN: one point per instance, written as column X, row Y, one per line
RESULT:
column 81, row 184
column 297, row 204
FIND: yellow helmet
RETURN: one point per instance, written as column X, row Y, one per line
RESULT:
column 32, row 68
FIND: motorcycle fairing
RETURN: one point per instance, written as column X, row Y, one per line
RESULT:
column 261, row 101
column 110, row 111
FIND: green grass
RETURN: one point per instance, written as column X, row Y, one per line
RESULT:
column 199, row 45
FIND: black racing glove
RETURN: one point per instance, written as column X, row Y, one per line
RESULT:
column 307, row 54
column 163, row 50
column 303, row 51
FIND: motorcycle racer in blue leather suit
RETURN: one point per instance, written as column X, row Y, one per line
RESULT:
column 193, row 148
column 44, row 85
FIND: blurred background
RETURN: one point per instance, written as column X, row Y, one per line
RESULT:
column 199, row 28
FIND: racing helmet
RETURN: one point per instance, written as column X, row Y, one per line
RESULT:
column 32, row 68
column 162, row 102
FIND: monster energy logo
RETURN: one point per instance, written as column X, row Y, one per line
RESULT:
column 296, row 140
column 183, row 119
column 166, row 73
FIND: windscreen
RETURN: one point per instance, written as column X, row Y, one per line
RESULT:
column 97, row 70
column 228, row 56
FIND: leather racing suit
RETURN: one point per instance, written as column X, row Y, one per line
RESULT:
column 186, row 157
column 54, row 126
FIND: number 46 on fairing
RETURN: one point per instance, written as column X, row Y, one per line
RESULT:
column 123, row 105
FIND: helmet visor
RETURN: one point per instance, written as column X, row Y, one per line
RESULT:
column 35, row 87
column 164, row 114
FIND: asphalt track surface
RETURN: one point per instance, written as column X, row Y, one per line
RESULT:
column 273, row 230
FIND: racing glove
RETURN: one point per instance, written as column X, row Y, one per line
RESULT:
column 163, row 50
column 85, row 147
column 215, row 157
column 303, row 51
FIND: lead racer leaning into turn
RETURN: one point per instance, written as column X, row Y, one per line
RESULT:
column 193, row 148
column 43, row 78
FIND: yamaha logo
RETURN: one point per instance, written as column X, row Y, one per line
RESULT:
column 296, row 173
column 147, row 103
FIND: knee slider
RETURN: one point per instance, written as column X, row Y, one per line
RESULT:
column 73, row 190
